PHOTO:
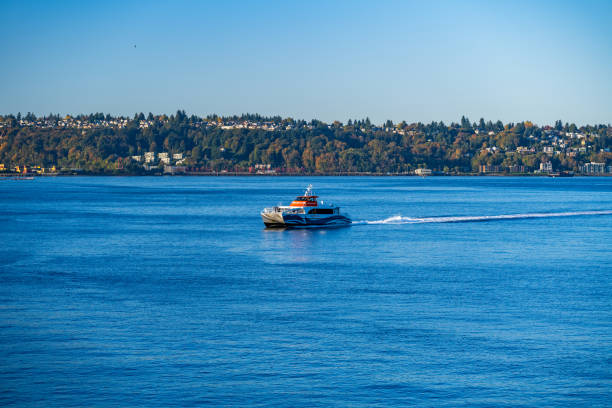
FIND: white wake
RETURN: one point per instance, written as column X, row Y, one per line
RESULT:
column 398, row 219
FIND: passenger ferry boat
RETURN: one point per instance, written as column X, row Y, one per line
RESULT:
column 305, row 212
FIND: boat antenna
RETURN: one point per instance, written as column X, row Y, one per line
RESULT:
column 308, row 191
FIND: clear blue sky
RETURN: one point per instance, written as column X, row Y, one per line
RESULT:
column 413, row 61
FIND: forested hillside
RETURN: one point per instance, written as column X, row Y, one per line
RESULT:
column 100, row 143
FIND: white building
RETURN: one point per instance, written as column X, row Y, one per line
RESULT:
column 164, row 158
column 149, row 157
column 422, row 172
column 177, row 156
column 137, row 158
column 594, row 168
column 546, row 167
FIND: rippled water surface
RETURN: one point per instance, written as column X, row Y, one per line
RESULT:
column 169, row 292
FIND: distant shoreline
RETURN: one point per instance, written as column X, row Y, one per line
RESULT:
column 234, row 174
column 247, row 145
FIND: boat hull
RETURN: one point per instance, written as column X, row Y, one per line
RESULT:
column 279, row 220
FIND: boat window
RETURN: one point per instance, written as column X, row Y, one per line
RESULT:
column 321, row 211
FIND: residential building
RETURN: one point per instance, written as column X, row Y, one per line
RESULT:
column 517, row 169
column 546, row 167
column 422, row 172
column 594, row 168
column 174, row 169
column 164, row 158
column 487, row 168
column 149, row 157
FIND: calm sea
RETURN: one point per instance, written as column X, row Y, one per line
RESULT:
column 447, row 292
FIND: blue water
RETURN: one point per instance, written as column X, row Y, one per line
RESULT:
column 169, row 292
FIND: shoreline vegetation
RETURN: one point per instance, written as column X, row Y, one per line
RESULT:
column 250, row 144
column 30, row 175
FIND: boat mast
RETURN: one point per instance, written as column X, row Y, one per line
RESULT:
column 308, row 191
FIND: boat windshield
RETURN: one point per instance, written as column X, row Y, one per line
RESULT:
column 293, row 210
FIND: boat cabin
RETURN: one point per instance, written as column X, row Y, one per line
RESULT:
column 305, row 201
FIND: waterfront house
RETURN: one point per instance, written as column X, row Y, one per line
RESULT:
column 546, row 167
column 422, row 172
column 594, row 168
